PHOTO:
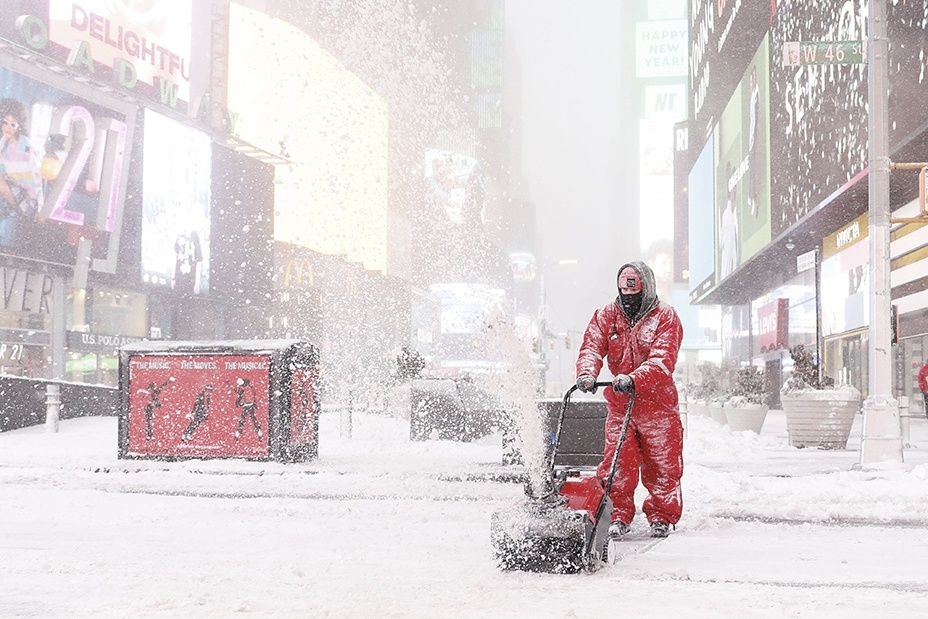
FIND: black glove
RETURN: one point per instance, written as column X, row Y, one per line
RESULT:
column 623, row 383
column 586, row 384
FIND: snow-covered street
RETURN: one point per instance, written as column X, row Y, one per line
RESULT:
column 382, row 527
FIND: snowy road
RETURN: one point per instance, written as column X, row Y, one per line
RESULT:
column 380, row 527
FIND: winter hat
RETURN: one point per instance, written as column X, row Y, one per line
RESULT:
column 637, row 290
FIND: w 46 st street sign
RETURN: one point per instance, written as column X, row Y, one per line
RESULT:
column 797, row 53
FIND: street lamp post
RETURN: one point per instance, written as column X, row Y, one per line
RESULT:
column 881, row 439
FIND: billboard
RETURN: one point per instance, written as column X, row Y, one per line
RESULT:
column 660, row 48
column 315, row 113
column 742, row 194
column 456, row 185
column 845, row 288
column 202, row 405
column 63, row 167
column 701, row 219
column 722, row 33
column 175, row 205
column 143, row 47
column 465, row 308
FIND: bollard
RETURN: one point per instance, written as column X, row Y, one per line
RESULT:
column 52, row 407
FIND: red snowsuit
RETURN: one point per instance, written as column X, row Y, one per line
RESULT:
column 644, row 347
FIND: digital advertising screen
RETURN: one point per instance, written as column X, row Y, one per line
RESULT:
column 742, row 194
column 175, row 205
column 313, row 112
column 63, row 173
column 722, row 35
column 199, row 405
column 143, row 47
column 455, row 183
column 701, row 220
column 466, row 307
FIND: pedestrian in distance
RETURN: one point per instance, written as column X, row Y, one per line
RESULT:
column 638, row 336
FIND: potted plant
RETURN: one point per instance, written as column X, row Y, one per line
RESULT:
column 818, row 413
column 708, row 391
column 746, row 407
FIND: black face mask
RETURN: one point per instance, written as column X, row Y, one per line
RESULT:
column 631, row 303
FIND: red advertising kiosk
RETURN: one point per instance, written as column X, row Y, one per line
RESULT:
column 253, row 399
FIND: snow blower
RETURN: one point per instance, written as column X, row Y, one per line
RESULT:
column 563, row 526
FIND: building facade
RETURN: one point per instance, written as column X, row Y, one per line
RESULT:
column 776, row 182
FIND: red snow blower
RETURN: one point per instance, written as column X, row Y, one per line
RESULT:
column 563, row 526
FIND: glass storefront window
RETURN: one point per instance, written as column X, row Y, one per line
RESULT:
column 99, row 320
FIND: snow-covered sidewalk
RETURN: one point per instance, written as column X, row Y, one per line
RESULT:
column 379, row 526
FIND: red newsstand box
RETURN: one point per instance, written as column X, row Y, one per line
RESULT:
column 252, row 399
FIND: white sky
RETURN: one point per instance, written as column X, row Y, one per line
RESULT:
column 562, row 76
column 382, row 527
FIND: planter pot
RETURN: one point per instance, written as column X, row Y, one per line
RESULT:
column 717, row 412
column 820, row 418
column 746, row 417
column 698, row 408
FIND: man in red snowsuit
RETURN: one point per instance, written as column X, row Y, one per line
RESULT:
column 640, row 337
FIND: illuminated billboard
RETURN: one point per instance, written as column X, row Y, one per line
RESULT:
column 175, row 205
column 63, row 166
column 742, row 195
column 144, row 47
column 309, row 109
column 701, row 218
column 845, row 291
column 721, row 34
column 465, row 308
column 456, row 185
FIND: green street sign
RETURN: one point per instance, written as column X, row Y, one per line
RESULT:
column 798, row 53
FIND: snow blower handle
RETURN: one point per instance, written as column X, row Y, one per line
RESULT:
column 621, row 441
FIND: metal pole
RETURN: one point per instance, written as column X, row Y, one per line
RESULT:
column 819, row 358
column 542, row 336
column 881, row 440
column 53, row 390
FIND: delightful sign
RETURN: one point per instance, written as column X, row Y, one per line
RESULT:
column 143, row 47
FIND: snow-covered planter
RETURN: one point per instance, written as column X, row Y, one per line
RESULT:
column 743, row 415
column 746, row 408
column 698, row 408
column 818, row 414
column 717, row 412
column 821, row 417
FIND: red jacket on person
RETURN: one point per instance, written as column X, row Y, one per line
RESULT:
column 644, row 347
